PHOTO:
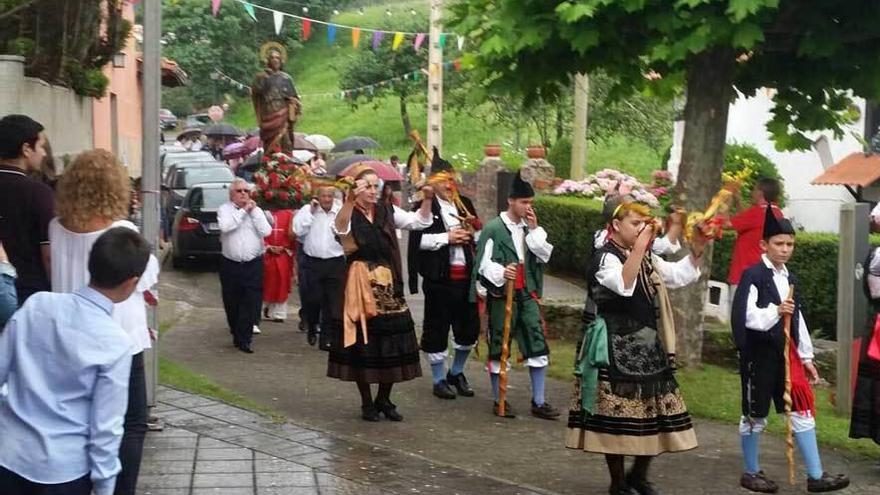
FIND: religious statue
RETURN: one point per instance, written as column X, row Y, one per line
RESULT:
column 276, row 102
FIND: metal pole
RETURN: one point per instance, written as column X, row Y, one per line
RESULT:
column 151, row 84
column 435, row 78
column 579, row 133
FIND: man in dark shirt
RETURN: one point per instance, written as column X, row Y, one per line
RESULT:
column 26, row 205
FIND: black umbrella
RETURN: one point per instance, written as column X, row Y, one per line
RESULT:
column 354, row 143
column 343, row 163
column 221, row 130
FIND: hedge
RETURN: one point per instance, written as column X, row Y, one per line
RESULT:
column 570, row 223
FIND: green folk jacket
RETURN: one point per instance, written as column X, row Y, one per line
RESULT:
column 504, row 253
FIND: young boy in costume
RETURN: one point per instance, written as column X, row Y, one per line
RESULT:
column 760, row 306
column 513, row 247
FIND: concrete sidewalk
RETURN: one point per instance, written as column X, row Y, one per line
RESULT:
column 209, row 447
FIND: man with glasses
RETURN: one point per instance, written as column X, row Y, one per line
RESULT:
column 243, row 225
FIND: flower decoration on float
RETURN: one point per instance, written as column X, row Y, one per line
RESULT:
column 281, row 183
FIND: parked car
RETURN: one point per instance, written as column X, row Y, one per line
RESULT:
column 181, row 177
column 195, row 233
column 198, row 120
column 167, row 120
column 170, row 159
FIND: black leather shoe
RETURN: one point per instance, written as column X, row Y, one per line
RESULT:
column 827, row 483
column 443, row 391
column 508, row 411
column 460, row 382
column 758, row 482
column 544, row 411
column 389, row 410
column 642, row 487
column 246, row 348
column 312, row 337
column 624, row 490
column 369, row 413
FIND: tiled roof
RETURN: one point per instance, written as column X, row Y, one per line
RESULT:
column 857, row 169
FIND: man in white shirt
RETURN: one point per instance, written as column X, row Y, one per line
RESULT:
column 323, row 265
column 443, row 254
column 243, row 225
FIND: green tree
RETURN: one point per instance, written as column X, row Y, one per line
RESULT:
column 816, row 53
column 368, row 74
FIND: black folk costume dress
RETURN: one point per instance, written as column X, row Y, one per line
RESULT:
column 638, row 407
column 865, row 419
column 386, row 351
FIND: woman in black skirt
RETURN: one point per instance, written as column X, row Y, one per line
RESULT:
column 377, row 341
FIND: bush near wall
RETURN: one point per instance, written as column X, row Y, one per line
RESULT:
column 571, row 222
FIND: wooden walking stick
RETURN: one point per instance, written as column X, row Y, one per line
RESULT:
column 505, row 348
column 786, row 396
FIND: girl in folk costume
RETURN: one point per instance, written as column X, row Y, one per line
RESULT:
column 760, row 306
column 278, row 265
column 376, row 342
column 626, row 399
column 865, row 422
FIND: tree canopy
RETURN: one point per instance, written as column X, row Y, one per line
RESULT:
column 816, row 53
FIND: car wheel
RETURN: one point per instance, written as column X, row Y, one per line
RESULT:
column 178, row 262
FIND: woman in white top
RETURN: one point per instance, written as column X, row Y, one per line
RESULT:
column 93, row 196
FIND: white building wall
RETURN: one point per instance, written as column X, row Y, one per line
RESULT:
column 816, row 208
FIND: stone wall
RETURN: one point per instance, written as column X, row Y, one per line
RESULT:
column 66, row 116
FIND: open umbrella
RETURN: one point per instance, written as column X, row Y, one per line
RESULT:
column 385, row 171
column 341, row 164
column 189, row 132
column 321, row 141
column 302, row 155
column 300, row 143
column 354, row 143
column 221, row 130
column 241, row 148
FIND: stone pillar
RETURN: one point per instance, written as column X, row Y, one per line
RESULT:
column 539, row 173
column 487, row 188
column 11, row 81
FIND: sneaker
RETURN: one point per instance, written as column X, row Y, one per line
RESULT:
column 508, row 411
column 460, row 382
column 758, row 482
column 155, row 424
column 443, row 391
column 544, row 411
column 257, row 330
column 827, row 483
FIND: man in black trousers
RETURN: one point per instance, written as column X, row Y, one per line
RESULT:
column 243, row 225
column 323, row 268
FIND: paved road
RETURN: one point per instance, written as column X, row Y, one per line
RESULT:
column 289, row 376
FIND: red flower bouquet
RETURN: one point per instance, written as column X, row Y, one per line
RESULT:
column 281, row 183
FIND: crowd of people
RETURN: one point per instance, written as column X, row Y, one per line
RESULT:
column 75, row 279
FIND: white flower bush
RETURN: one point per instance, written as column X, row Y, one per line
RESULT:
column 603, row 182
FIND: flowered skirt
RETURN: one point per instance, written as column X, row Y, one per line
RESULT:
column 390, row 352
column 638, row 408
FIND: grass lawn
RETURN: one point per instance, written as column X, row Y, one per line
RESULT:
column 713, row 392
column 176, row 376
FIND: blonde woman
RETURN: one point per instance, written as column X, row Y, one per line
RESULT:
column 93, row 196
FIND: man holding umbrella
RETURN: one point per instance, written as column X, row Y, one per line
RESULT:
column 511, row 256
column 443, row 254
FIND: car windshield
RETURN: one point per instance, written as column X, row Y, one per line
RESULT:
column 205, row 174
column 208, row 198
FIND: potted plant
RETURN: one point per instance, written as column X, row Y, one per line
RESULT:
column 492, row 150
column 536, row 151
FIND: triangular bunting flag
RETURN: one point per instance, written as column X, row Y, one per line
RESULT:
column 331, row 34
column 420, row 38
column 377, row 39
column 307, row 29
column 460, row 42
column 442, row 41
column 250, row 10
column 215, row 7
column 416, row 76
column 355, row 37
column 398, row 39
column 279, row 20
column 457, row 65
